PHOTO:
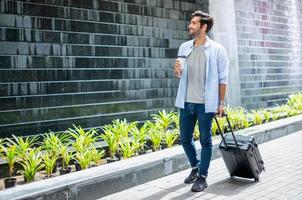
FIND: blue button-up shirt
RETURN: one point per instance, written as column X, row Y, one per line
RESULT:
column 217, row 69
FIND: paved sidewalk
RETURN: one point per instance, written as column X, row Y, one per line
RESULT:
column 281, row 180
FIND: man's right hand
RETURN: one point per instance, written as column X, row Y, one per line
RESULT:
column 177, row 69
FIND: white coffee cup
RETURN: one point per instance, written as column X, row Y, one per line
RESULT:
column 182, row 60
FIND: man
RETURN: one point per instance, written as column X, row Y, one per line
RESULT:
column 201, row 92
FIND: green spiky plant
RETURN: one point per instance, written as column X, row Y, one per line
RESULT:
column 65, row 155
column 293, row 112
column 96, row 155
column 275, row 116
column 128, row 147
column 23, row 143
column 266, row 114
column 49, row 161
column 31, row 163
column 244, row 123
column 139, row 135
column 84, row 159
column 287, row 110
column 222, row 125
column 295, row 101
column 82, row 139
column 121, row 128
column 256, row 116
column 11, row 156
column 214, row 128
column 278, row 112
column 155, row 135
column 124, row 127
column 114, row 134
column 237, row 117
column 221, row 122
column 164, row 119
column 282, row 110
column 8, row 152
column 233, row 116
column 175, row 117
column 52, row 142
column 170, row 137
column 273, row 113
column 51, row 145
column 1, row 145
column 111, row 140
column 116, row 128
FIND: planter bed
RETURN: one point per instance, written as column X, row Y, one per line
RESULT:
column 106, row 179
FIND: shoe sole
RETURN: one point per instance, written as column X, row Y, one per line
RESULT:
column 190, row 182
column 202, row 189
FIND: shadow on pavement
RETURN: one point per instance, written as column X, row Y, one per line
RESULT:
column 225, row 187
column 230, row 186
column 165, row 192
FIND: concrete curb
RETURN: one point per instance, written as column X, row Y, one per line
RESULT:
column 106, row 179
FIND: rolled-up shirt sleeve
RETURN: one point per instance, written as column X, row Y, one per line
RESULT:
column 223, row 66
column 180, row 51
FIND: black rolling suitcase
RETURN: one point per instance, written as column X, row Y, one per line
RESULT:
column 240, row 154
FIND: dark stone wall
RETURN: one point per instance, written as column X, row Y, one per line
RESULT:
column 87, row 62
column 269, row 34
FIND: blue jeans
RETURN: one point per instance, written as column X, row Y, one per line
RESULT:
column 187, row 121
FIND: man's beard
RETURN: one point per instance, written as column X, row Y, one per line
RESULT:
column 193, row 34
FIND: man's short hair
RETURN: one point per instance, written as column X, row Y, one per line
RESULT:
column 204, row 19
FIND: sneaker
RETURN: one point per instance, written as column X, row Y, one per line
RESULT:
column 192, row 177
column 199, row 185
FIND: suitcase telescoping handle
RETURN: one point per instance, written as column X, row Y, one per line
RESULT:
column 230, row 127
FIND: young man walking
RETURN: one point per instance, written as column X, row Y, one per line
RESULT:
column 203, row 70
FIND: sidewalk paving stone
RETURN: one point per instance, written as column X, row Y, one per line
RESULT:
column 281, row 180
